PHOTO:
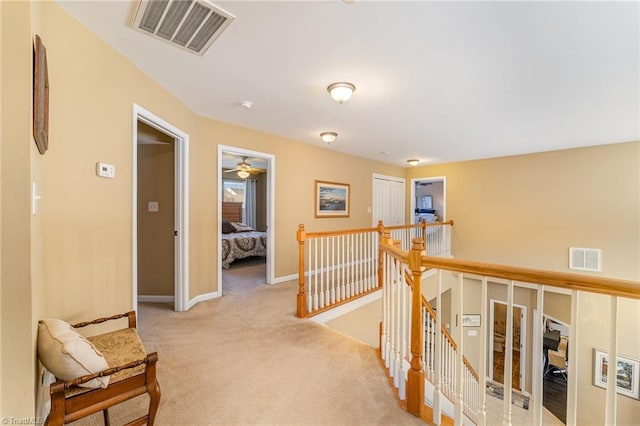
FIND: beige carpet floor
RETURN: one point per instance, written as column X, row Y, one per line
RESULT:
column 245, row 359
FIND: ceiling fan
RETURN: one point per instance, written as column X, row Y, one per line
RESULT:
column 244, row 168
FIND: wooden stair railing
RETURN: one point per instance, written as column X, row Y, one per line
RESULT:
column 336, row 267
column 467, row 401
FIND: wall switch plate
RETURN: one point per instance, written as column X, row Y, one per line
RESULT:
column 152, row 206
column 105, row 170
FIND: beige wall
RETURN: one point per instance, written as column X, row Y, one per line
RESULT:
column 18, row 328
column 294, row 187
column 362, row 324
column 547, row 202
column 155, row 229
column 543, row 204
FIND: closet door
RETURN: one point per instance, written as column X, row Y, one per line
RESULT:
column 388, row 200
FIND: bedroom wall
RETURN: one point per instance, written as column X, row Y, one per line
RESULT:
column 543, row 203
column 155, row 229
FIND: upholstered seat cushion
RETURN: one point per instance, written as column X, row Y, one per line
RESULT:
column 119, row 347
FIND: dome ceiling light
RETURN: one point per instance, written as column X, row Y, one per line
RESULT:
column 341, row 91
column 328, row 137
column 413, row 162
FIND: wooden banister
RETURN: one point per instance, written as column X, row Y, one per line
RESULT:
column 609, row 286
column 302, row 305
column 415, row 376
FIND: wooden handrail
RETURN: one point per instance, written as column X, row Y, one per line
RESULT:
column 608, row 286
column 419, row 225
column 339, row 232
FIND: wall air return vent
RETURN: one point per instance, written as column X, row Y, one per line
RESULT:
column 191, row 25
column 585, row 259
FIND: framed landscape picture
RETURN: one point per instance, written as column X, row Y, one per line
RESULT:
column 628, row 383
column 332, row 199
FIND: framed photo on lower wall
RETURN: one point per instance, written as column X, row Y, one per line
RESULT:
column 628, row 382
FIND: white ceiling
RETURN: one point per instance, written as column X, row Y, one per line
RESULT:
column 438, row 81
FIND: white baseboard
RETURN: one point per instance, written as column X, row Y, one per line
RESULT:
column 346, row 308
column 202, row 297
column 279, row 280
column 156, row 299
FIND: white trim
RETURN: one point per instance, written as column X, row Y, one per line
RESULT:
column 412, row 195
column 338, row 311
column 271, row 229
column 285, row 278
column 155, row 299
column 523, row 341
column 181, row 148
column 202, row 298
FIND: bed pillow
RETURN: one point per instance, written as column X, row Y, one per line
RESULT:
column 241, row 227
column 68, row 355
column 227, row 227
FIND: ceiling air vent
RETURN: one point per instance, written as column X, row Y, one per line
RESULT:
column 585, row 259
column 191, row 25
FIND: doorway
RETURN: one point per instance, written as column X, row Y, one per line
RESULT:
column 228, row 158
column 429, row 199
column 166, row 202
column 497, row 343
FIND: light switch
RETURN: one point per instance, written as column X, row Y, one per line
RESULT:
column 152, row 206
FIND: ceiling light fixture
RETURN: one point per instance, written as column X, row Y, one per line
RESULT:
column 341, row 91
column 413, row 162
column 243, row 174
column 328, row 137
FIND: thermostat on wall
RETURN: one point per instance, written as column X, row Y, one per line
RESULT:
column 105, row 170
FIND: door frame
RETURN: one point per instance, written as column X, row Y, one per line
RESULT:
column 181, row 206
column 271, row 191
column 412, row 195
column 523, row 341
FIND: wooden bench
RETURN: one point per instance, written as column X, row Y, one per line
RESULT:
column 131, row 372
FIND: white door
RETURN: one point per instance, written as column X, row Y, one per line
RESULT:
column 388, row 200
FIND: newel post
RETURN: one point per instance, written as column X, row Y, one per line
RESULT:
column 381, row 237
column 302, row 305
column 415, row 382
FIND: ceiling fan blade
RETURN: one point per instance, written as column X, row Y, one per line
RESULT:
column 230, row 171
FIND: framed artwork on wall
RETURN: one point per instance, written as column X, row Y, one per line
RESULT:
column 40, row 96
column 627, row 372
column 331, row 199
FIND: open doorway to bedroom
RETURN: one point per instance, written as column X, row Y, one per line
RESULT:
column 245, row 217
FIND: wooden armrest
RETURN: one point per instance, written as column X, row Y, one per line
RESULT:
column 152, row 358
column 131, row 315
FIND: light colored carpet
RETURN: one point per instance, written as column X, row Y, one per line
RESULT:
column 244, row 359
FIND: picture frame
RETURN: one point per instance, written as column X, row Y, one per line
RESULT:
column 332, row 199
column 40, row 96
column 471, row 320
column 627, row 373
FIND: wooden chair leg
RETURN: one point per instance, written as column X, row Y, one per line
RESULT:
column 105, row 414
column 153, row 389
